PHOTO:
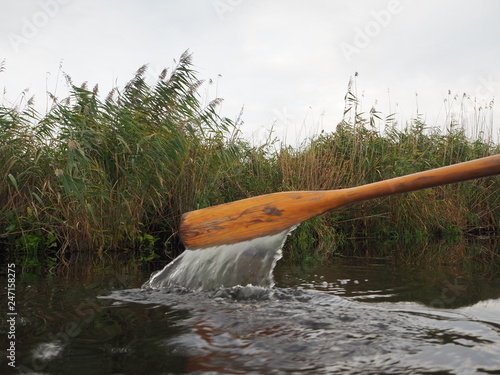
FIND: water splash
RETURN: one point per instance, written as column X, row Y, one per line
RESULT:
column 244, row 263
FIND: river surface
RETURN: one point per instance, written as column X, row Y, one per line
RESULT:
column 353, row 315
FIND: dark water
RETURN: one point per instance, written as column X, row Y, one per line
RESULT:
column 348, row 316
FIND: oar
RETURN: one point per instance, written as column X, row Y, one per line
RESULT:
column 273, row 213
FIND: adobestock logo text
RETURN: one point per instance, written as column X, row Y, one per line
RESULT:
column 363, row 36
column 31, row 25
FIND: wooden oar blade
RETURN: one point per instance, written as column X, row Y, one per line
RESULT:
column 249, row 218
column 273, row 213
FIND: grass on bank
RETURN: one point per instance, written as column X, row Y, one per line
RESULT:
column 114, row 173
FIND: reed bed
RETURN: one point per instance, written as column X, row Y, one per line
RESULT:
column 110, row 174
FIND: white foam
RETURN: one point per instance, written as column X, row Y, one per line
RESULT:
column 244, row 263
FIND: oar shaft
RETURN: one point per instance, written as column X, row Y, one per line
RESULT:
column 484, row 167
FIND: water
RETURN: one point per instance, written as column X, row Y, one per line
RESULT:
column 248, row 262
column 348, row 316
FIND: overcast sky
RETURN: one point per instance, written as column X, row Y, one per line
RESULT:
column 288, row 62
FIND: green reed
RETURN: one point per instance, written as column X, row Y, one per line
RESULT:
column 116, row 173
column 111, row 174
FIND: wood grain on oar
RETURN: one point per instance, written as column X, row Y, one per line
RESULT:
column 273, row 213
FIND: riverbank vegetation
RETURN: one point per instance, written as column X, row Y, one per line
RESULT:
column 115, row 173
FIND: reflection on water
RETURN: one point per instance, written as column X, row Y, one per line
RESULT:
column 351, row 316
